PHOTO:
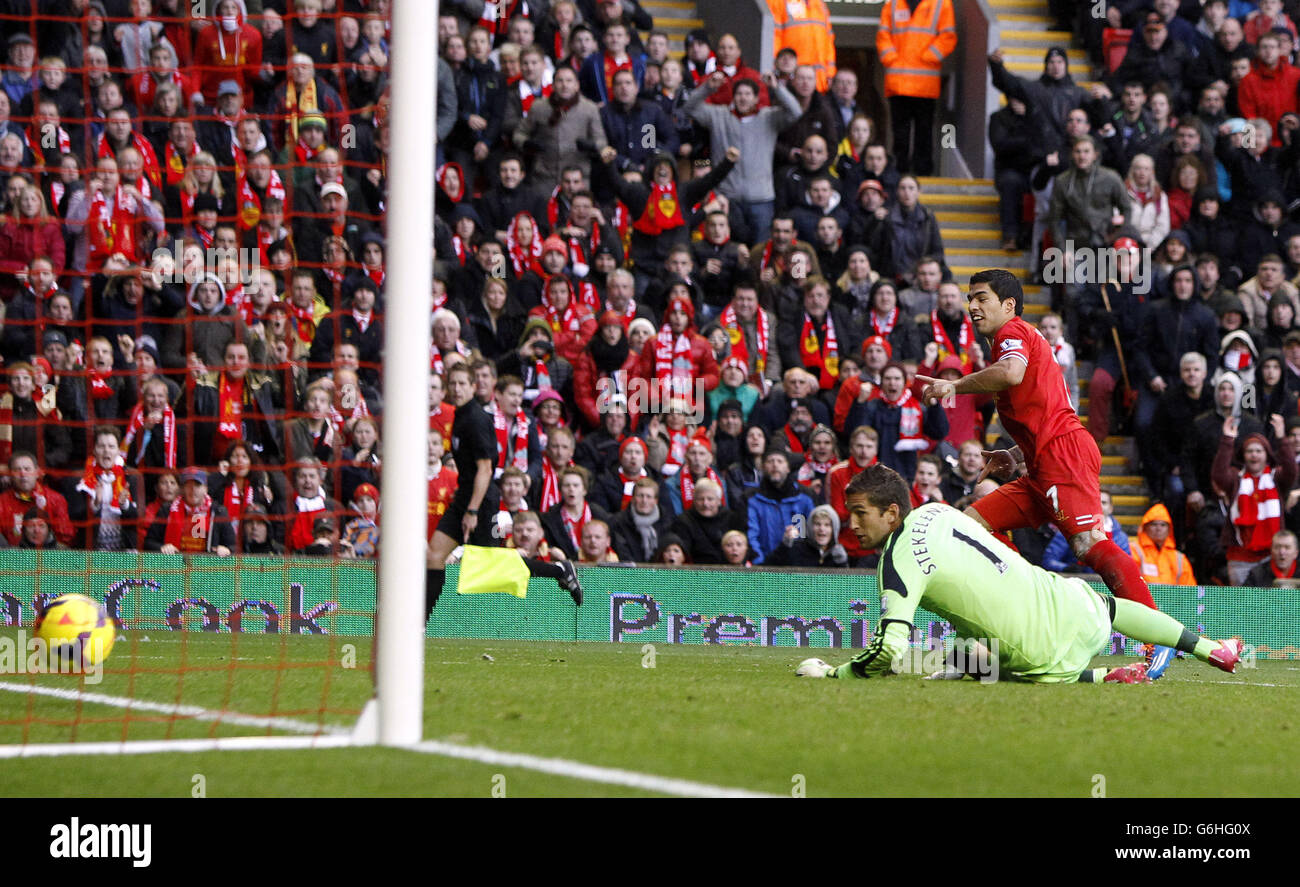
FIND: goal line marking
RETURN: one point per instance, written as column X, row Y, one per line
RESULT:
column 327, row 736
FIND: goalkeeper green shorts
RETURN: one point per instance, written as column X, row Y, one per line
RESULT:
column 1083, row 625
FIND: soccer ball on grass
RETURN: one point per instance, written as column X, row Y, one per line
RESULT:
column 76, row 630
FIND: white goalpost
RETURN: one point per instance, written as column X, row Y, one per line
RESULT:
column 399, row 618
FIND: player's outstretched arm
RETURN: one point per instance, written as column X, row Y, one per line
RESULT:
column 1004, row 374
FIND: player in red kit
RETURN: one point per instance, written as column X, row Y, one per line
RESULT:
column 1062, row 483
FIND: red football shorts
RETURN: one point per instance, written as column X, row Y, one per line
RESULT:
column 1063, row 487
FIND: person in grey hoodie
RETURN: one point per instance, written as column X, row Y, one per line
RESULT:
column 213, row 323
column 753, row 130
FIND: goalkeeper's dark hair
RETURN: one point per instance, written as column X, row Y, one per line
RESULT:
column 1004, row 285
column 883, row 486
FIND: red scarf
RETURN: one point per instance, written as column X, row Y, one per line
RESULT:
column 527, row 96
column 629, row 484
column 91, row 476
column 550, row 486
column 249, row 209
column 1257, row 511
column 627, row 315
column 236, row 502
column 811, row 470
column 623, row 224
column 301, row 534
column 35, row 143
column 580, row 254
column 884, row 327
column 112, row 229
column 1277, row 574
column 574, row 526
column 305, row 154
column 174, row 163
column 678, row 441
column 570, row 320
column 739, row 349
column 826, row 359
column 553, row 210
column 231, row 409
column 188, row 528
column 524, row 258
column 688, row 486
column 919, row 498
column 458, row 247
column 135, row 425
column 435, row 356
column 140, row 143
column 99, row 389
column 502, row 426
column 496, row 16
column 673, row 362
column 965, row 339
column 663, row 211
column 796, row 445
column 910, row 438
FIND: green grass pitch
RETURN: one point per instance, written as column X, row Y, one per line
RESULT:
column 719, row 715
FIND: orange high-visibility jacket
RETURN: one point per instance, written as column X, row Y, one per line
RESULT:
column 1165, row 565
column 913, row 45
column 805, row 27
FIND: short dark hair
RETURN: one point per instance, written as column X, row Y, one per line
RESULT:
column 1004, row 285
column 745, row 81
column 883, row 486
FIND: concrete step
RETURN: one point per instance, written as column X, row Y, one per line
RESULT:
column 1013, row 6
column 1033, row 54
column 964, row 218
column 935, row 202
column 937, row 185
column 990, row 235
column 964, row 271
column 1018, row 37
column 1026, row 21
column 1017, row 256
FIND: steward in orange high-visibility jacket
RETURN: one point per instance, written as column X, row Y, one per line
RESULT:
column 1161, row 564
column 805, row 27
column 913, row 40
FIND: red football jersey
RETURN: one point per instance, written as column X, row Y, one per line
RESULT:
column 1039, row 407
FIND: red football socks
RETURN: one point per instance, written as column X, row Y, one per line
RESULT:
column 1120, row 572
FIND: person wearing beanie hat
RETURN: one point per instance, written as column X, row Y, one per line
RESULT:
column 602, row 369
column 612, row 488
column 678, row 492
column 361, row 534
column 36, row 531
column 679, row 362
column 700, row 60
column 778, row 504
column 255, row 535
column 570, row 318
column 1050, row 97
column 535, row 361
column 733, row 388
column 1211, row 229
column 642, row 329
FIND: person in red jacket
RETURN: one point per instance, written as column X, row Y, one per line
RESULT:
column 30, row 233
column 26, row 490
column 571, row 321
column 678, row 360
column 863, row 445
column 229, row 49
column 603, row 369
column 1269, row 90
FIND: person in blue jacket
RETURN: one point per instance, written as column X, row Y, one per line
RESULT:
column 1058, row 557
column 778, row 503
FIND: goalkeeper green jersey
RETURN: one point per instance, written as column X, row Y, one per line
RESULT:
column 1043, row 626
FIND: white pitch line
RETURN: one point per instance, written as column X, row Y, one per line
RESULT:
column 588, row 772
column 166, row 746
column 194, row 712
column 336, row 737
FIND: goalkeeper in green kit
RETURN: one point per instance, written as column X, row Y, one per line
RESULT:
column 1039, row 626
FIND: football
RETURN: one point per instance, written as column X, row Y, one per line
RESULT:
column 76, row 630
column 814, row 668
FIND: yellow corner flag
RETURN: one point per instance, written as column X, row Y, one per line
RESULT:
column 484, row 570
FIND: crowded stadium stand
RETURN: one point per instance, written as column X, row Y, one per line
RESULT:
column 706, row 278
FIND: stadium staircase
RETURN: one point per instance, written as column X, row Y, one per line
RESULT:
column 967, row 211
column 676, row 18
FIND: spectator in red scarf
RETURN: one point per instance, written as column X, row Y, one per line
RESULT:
column 964, row 417
column 233, row 403
column 564, row 521
column 906, row 428
column 107, row 507
column 863, row 445
column 734, row 69
column 571, row 322
column 679, row 360
column 544, row 490
column 243, row 483
column 194, row 524
column 109, row 218
column 309, row 504
column 1281, row 563
column 152, row 432
column 817, row 336
column 30, row 424
column 1257, row 482
column 679, row 491
column 27, row 490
